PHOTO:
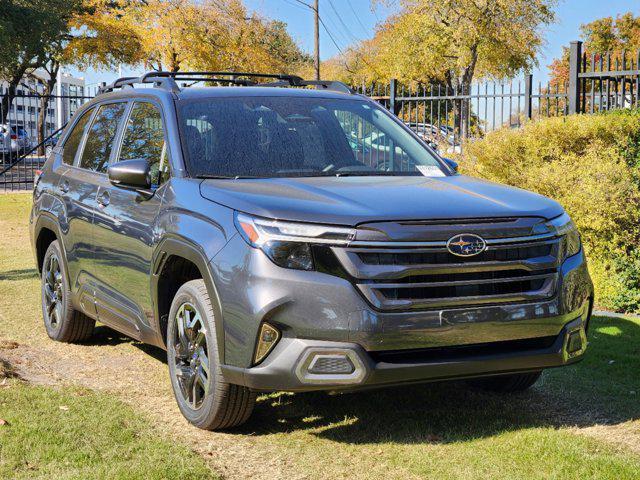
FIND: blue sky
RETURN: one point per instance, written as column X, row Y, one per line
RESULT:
column 350, row 20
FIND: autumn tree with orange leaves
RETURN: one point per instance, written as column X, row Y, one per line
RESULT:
column 606, row 35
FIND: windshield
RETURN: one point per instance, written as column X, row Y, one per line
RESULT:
column 295, row 137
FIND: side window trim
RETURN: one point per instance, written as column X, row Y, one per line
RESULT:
column 97, row 107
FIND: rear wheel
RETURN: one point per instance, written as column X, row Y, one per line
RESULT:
column 517, row 382
column 205, row 398
column 62, row 321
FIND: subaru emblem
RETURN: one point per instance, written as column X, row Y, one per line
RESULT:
column 466, row 245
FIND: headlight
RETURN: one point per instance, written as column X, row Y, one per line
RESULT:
column 564, row 227
column 288, row 244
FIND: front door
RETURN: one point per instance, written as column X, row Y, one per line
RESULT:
column 124, row 227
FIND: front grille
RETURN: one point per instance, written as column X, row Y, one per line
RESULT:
column 405, row 278
column 444, row 257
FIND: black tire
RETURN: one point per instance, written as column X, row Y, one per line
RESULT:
column 221, row 405
column 517, row 382
column 62, row 321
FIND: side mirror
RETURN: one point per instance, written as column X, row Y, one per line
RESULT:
column 131, row 173
column 453, row 165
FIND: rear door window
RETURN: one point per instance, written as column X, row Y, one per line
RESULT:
column 144, row 139
column 102, row 133
column 73, row 140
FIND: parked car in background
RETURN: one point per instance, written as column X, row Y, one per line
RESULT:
column 243, row 230
column 9, row 140
column 24, row 141
column 437, row 135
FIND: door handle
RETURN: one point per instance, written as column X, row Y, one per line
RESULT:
column 104, row 199
column 64, row 186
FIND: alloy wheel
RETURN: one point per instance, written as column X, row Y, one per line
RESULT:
column 190, row 355
column 53, row 292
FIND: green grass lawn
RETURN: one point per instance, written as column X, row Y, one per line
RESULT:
column 580, row 422
column 75, row 433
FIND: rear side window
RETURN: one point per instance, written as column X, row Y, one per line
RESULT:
column 74, row 138
column 102, row 132
column 144, row 139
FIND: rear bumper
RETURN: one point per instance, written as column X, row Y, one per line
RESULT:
column 284, row 369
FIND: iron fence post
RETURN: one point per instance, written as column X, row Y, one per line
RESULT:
column 393, row 90
column 575, row 53
column 528, row 98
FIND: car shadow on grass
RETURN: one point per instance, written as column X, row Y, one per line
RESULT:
column 602, row 389
column 20, row 274
column 103, row 335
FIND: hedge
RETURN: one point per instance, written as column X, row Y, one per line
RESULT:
column 591, row 165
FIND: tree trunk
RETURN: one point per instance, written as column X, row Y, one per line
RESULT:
column 465, row 84
column 44, row 104
column 10, row 94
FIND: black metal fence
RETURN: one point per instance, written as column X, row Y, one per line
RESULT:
column 25, row 128
column 441, row 115
column 446, row 117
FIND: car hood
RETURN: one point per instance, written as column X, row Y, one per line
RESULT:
column 355, row 200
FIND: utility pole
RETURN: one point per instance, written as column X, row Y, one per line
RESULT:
column 316, row 51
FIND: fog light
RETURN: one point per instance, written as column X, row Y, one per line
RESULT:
column 575, row 343
column 331, row 364
column 337, row 366
column 267, row 339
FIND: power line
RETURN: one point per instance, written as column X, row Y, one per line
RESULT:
column 344, row 25
column 290, row 2
column 330, row 35
column 305, row 4
column 364, row 29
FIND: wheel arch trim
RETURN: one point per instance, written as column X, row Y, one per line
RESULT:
column 181, row 247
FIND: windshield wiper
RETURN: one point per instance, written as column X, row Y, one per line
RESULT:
column 375, row 174
column 223, row 177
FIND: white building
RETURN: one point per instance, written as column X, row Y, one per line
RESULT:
column 70, row 92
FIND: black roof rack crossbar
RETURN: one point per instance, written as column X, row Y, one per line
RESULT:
column 167, row 80
column 179, row 75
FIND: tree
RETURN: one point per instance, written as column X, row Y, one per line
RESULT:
column 43, row 34
column 607, row 35
column 209, row 35
column 454, row 41
column 27, row 29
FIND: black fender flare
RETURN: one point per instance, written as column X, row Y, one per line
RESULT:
column 181, row 247
column 46, row 220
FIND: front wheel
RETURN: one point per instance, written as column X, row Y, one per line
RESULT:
column 517, row 382
column 204, row 397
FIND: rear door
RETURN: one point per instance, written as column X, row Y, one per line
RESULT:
column 124, row 225
column 87, row 149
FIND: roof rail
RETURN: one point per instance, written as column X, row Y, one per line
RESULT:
column 168, row 80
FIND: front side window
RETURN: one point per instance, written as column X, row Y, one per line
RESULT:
column 73, row 140
column 144, row 139
column 294, row 137
column 97, row 148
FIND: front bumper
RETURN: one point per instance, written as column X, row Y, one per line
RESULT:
column 315, row 306
column 284, row 368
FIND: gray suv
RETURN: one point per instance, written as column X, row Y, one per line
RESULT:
column 250, row 231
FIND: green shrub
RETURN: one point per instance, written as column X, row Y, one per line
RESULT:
column 591, row 165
